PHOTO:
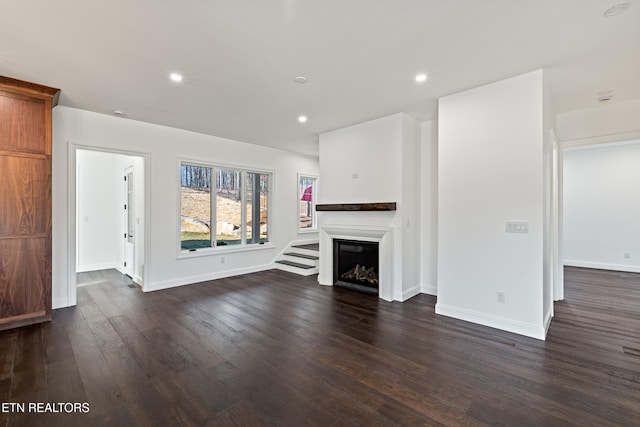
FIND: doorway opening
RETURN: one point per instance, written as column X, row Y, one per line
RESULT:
column 108, row 205
column 598, row 208
column 601, row 206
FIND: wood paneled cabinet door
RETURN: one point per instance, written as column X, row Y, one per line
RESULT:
column 25, row 202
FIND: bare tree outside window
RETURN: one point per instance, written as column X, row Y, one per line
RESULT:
column 257, row 207
column 212, row 200
column 195, row 207
column 228, row 207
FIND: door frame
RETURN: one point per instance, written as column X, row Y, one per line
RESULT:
column 129, row 168
column 72, row 149
column 557, row 264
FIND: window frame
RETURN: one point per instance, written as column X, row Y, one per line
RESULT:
column 214, row 248
column 314, row 198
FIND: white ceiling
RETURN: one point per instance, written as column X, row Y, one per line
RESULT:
column 239, row 57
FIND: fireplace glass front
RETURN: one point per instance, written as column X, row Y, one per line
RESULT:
column 355, row 265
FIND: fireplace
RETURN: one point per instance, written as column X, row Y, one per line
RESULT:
column 360, row 229
column 356, row 265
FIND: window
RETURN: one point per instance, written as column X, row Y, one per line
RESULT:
column 307, row 193
column 222, row 207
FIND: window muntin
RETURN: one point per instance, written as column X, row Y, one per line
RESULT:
column 217, row 205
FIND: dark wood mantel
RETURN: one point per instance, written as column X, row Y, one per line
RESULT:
column 357, row 207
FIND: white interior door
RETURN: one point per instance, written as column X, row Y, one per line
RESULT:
column 129, row 222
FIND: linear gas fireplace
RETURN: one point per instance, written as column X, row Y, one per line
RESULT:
column 355, row 265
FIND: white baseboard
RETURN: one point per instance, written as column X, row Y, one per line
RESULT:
column 409, row 293
column 429, row 289
column 96, row 267
column 190, row 280
column 602, row 265
column 547, row 320
column 57, row 303
column 517, row 327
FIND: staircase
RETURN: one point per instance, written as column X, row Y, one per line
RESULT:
column 301, row 259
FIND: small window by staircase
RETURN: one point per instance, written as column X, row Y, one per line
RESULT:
column 307, row 194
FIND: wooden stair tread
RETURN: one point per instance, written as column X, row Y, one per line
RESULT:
column 305, row 256
column 295, row 264
column 310, row 247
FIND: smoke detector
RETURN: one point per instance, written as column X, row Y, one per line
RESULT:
column 605, row 96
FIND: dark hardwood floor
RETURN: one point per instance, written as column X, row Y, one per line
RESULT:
column 274, row 348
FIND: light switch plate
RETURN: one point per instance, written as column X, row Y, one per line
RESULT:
column 517, row 227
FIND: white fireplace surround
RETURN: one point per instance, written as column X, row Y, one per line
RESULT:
column 368, row 233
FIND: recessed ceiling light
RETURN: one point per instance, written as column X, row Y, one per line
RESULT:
column 300, row 79
column 421, row 78
column 176, row 77
column 616, row 10
column 302, row 119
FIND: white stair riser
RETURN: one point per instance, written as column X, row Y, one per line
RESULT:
column 299, row 260
column 303, row 251
column 296, row 270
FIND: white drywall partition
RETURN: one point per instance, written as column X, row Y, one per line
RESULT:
column 490, row 172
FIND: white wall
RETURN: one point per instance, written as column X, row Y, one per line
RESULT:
column 490, row 171
column 99, row 210
column 410, row 187
column 376, row 161
column 551, row 257
column 370, row 150
column 429, row 207
column 602, row 207
column 605, row 120
column 164, row 147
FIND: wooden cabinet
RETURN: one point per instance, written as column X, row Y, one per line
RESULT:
column 25, row 202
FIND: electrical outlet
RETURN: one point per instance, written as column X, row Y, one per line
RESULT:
column 627, row 255
column 222, row 260
column 501, row 297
